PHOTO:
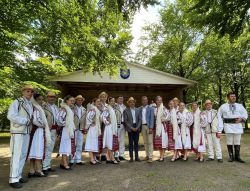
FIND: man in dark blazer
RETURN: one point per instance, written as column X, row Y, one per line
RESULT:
column 147, row 116
column 132, row 123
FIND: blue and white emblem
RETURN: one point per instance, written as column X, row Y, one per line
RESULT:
column 125, row 73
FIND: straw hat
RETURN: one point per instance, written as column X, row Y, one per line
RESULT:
column 79, row 97
column 51, row 94
column 208, row 102
column 27, row 87
column 131, row 99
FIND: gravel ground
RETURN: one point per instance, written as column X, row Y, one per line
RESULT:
column 179, row 175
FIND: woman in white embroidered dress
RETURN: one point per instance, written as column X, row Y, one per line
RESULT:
column 110, row 138
column 40, row 135
column 174, row 133
column 185, row 120
column 93, row 126
column 200, row 122
column 66, row 121
column 161, row 136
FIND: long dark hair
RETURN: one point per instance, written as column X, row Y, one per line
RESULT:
column 66, row 98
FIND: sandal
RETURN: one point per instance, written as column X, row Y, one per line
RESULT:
column 114, row 162
column 173, row 159
column 39, row 174
column 202, row 160
column 197, row 159
column 160, row 160
column 98, row 162
column 92, row 163
column 65, row 167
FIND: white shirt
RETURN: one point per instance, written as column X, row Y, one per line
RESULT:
column 144, row 109
column 209, row 116
column 133, row 114
column 79, row 111
column 225, row 111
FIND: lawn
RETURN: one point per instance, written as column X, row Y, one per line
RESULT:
column 179, row 175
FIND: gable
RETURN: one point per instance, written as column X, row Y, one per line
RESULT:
column 139, row 74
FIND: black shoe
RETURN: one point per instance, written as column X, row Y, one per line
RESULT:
column 30, row 175
column 98, row 162
column 210, row 159
column 117, row 159
column 51, row 170
column 46, row 172
column 114, row 162
column 16, row 185
column 80, row 163
column 39, row 174
column 237, row 154
column 64, row 168
column 23, row 180
column 160, row 160
column 220, row 160
column 103, row 158
column 71, row 164
column 131, row 160
column 108, row 161
column 137, row 160
column 121, row 158
column 230, row 153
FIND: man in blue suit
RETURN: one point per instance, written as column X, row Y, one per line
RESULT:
column 147, row 116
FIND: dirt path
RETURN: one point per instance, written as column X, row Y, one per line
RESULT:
column 179, row 175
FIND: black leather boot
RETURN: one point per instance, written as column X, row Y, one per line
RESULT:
column 237, row 154
column 230, row 153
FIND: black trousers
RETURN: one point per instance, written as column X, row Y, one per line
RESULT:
column 133, row 138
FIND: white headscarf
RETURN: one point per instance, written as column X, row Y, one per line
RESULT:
column 69, row 121
column 174, row 122
column 158, row 120
column 197, row 129
column 44, row 119
column 113, row 119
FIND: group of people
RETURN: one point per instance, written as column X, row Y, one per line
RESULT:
column 36, row 125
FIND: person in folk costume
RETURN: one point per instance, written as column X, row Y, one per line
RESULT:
column 231, row 115
column 132, row 124
column 80, row 122
column 185, row 120
column 160, row 130
column 176, row 103
column 172, row 127
column 65, row 120
column 212, row 132
column 121, row 129
column 147, row 114
column 199, row 125
column 20, row 116
column 93, row 128
column 103, row 96
column 51, row 112
column 39, row 138
column 174, row 131
column 110, row 138
column 119, row 123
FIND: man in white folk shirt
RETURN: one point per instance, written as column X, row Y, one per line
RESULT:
column 121, row 130
column 212, row 132
column 51, row 111
column 147, row 115
column 231, row 115
column 20, row 115
column 80, row 121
